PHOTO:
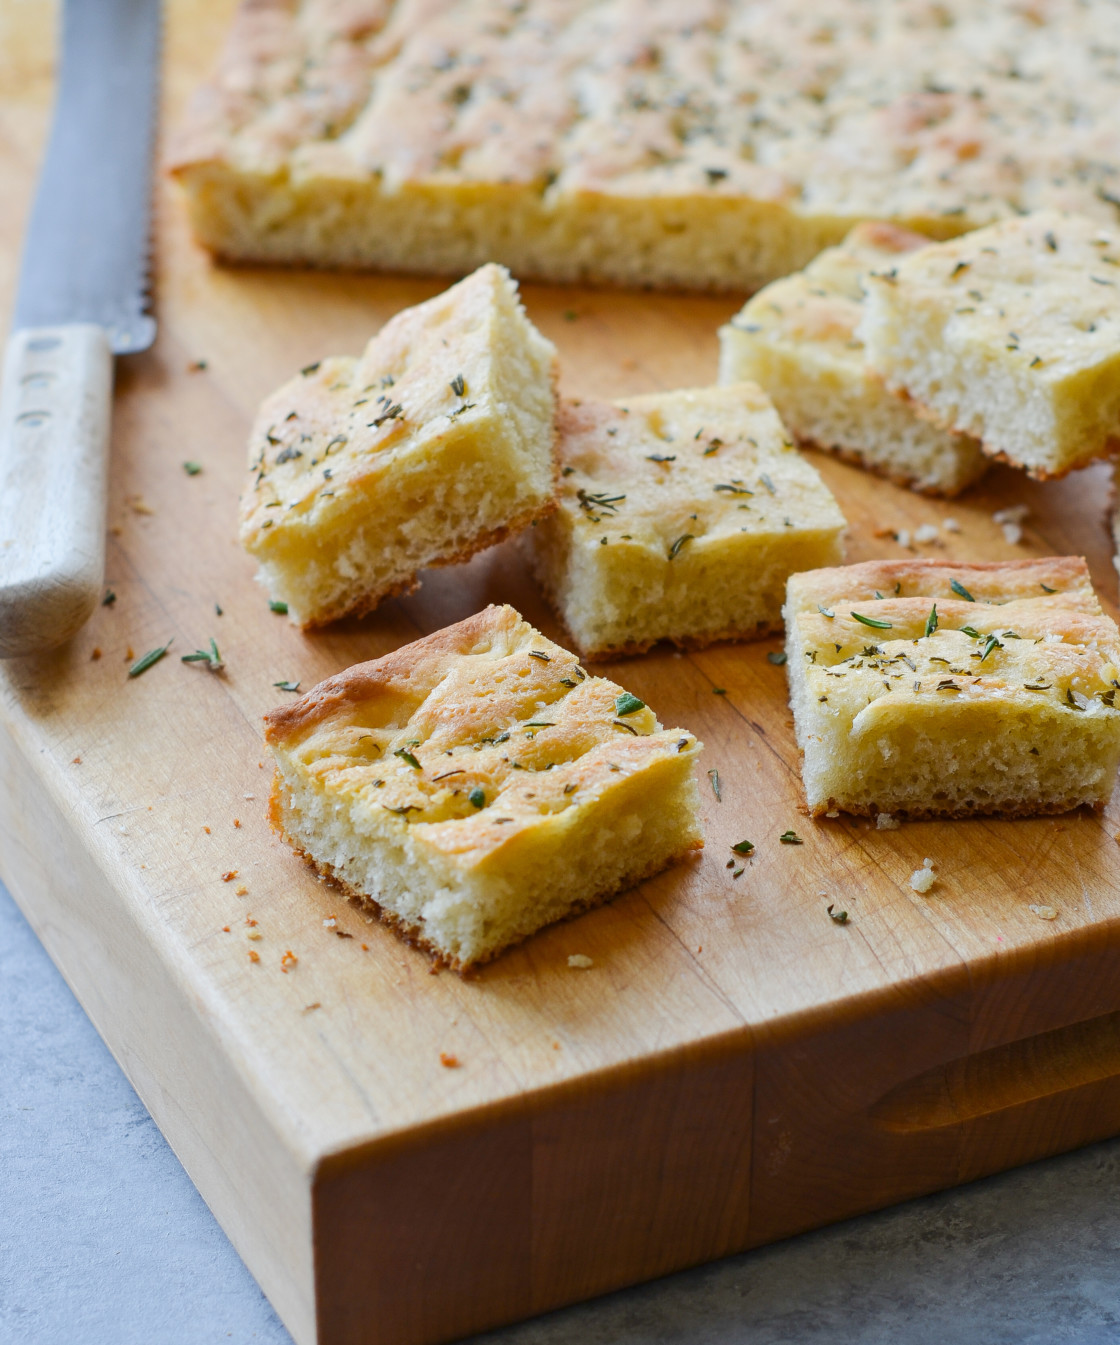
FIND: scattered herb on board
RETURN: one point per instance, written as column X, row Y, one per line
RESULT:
column 406, row 755
column 287, row 686
column 109, row 599
column 790, row 838
column 743, row 847
column 719, row 691
column 280, row 608
column 477, row 797
column 960, row 590
column 458, row 385
column 837, row 917
column 152, row 657
column 873, row 621
column 628, row 704
column 210, row 657
column 713, row 776
column 674, row 550
column 777, row 657
column 192, row 468
column 309, row 369
column 931, row 621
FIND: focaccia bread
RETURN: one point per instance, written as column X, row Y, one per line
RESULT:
column 696, row 143
column 433, row 444
column 1011, row 334
column 926, row 689
column 681, row 515
column 797, row 340
column 478, row 785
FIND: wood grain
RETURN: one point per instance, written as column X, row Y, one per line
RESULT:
column 735, row 1067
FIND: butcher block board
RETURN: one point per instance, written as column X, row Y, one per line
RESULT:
column 734, row 1068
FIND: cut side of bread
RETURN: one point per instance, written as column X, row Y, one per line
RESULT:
column 478, row 785
column 1011, row 334
column 926, row 689
column 710, row 147
column 681, row 515
column 433, row 444
column 797, row 340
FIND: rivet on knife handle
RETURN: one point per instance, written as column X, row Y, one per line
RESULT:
column 54, row 449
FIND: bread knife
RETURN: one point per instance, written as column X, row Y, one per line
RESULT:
column 82, row 298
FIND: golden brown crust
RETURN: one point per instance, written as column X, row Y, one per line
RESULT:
column 409, row 933
column 854, row 582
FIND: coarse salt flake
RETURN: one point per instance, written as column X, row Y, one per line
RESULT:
column 580, row 960
column 885, row 822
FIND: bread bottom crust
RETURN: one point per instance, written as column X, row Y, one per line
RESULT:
column 856, row 458
column 411, row 934
column 952, row 814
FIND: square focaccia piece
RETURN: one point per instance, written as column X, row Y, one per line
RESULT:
column 1011, row 334
column 797, row 340
column 478, row 785
column 942, row 690
column 681, row 516
column 432, row 445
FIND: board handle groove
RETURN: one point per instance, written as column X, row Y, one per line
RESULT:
column 1004, row 1076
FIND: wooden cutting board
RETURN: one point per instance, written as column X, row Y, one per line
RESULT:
column 734, row 1068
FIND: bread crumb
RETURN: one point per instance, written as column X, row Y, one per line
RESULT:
column 448, row 1061
column 580, row 960
column 241, row 891
column 921, row 880
column 225, row 929
column 237, row 821
column 254, row 956
column 76, row 762
column 308, row 1007
column 1044, row 912
column 254, row 935
column 95, row 653
column 885, row 822
column 206, row 830
column 230, row 874
column 288, row 961
column 138, row 504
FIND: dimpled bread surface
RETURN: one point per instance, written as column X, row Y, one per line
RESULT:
column 797, row 339
column 928, row 689
column 698, row 143
column 1011, row 334
column 477, row 785
column 434, row 443
column 681, row 515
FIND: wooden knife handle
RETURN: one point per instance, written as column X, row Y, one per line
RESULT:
column 54, row 457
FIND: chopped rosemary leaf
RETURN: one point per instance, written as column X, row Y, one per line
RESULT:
column 674, row 550
column 407, row 808
column 287, row 686
column 733, row 488
column 405, row 755
column 873, row 621
column 539, row 653
column 838, row 917
column 661, row 457
column 790, row 838
column 152, row 656
column 768, row 483
column 777, row 657
column 310, row 368
column 192, row 468
column 825, row 612
column 743, row 847
column 1037, row 686
column 989, row 644
column 458, row 385
column 713, row 776
column 719, row 691
column 618, row 723
column 628, row 704
column 969, row 630
column 1046, row 589
column 109, row 599
column 210, row 657
column 567, row 682
column 477, row 797
column 960, row 590
column 394, row 412
column 590, row 502
column 540, row 724
column 280, row 608
column 1075, row 700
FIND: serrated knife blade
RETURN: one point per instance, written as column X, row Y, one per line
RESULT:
column 82, row 298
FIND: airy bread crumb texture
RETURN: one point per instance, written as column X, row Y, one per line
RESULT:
column 478, row 785
column 681, row 515
column 433, row 444
column 925, row 689
column 1011, row 334
column 706, row 145
column 797, row 339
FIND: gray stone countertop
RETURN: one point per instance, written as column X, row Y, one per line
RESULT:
column 104, row 1241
